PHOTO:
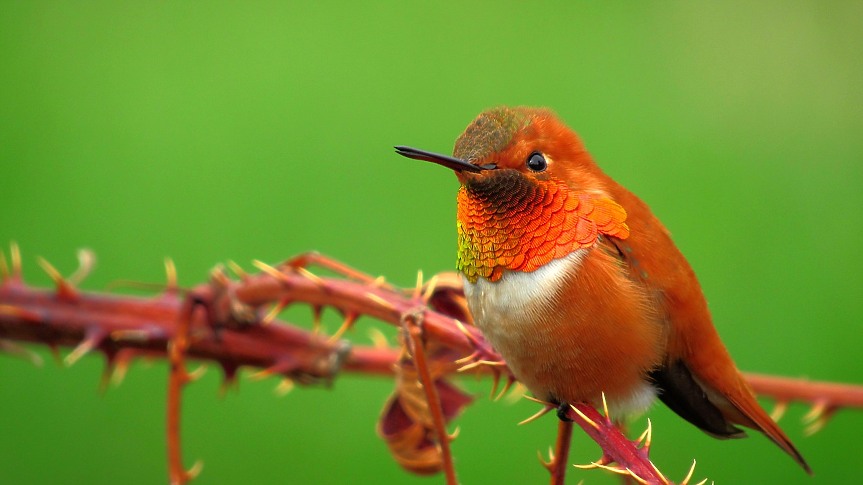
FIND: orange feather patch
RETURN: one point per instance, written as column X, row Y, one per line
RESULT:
column 520, row 224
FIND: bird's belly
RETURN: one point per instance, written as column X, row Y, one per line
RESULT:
column 550, row 348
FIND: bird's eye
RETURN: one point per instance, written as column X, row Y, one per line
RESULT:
column 536, row 162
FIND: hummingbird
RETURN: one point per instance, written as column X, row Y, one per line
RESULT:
column 578, row 285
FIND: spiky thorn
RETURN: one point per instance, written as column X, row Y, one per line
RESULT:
column 689, row 476
column 275, row 273
column 16, row 350
column 418, row 288
column 86, row 264
column 779, row 410
column 238, row 271
column 285, row 387
column 818, row 417
column 15, row 260
column 171, row 286
column 347, row 324
column 274, row 312
column 281, row 367
column 92, row 339
column 305, row 260
column 4, row 268
column 412, row 324
column 65, row 291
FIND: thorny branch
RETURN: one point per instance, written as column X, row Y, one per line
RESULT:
column 233, row 322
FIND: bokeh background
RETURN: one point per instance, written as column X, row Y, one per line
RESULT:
column 259, row 130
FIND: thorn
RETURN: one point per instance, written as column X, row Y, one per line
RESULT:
column 455, row 433
column 280, row 367
column 542, row 412
column 266, row 268
column 589, row 466
column 22, row 352
column 465, row 332
column 218, row 276
column 310, row 276
column 4, row 268
column 91, row 339
column 378, row 338
column 317, row 310
column 517, row 392
column 277, row 308
column 819, row 422
column 55, row 353
column 649, row 439
column 121, row 366
column 170, row 276
column 468, row 358
column 426, row 296
column 585, row 418
column 548, row 465
column 659, row 473
column 348, row 324
column 605, row 407
column 544, row 403
column 494, row 385
column 636, row 477
column 619, row 471
column 238, row 270
column 506, row 387
column 197, row 373
column 65, row 291
column 378, row 282
column 380, row 301
column 105, row 378
column 418, row 289
column 195, row 470
column 815, row 412
column 689, row 475
column 15, row 257
column 86, row 263
column 284, row 387
column 702, row 482
column 779, row 411
column 479, row 363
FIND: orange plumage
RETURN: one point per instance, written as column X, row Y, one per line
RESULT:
column 579, row 286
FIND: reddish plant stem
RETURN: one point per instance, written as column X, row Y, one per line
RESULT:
column 413, row 328
column 560, row 461
column 110, row 324
column 784, row 389
column 615, row 446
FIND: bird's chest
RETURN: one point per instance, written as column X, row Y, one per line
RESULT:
column 517, row 313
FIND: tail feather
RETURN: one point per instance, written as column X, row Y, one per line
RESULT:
column 757, row 418
column 716, row 410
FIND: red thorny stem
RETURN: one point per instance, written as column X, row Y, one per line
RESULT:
column 122, row 327
column 414, row 330
column 559, row 460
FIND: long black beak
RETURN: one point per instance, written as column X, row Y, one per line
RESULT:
column 456, row 164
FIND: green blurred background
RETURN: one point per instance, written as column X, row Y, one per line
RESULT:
column 258, row 130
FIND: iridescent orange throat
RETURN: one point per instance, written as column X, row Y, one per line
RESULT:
column 509, row 221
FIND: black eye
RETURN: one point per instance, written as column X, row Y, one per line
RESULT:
column 536, row 162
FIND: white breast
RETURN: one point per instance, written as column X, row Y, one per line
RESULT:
column 505, row 308
column 516, row 298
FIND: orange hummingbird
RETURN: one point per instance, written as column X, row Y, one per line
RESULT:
column 579, row 286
